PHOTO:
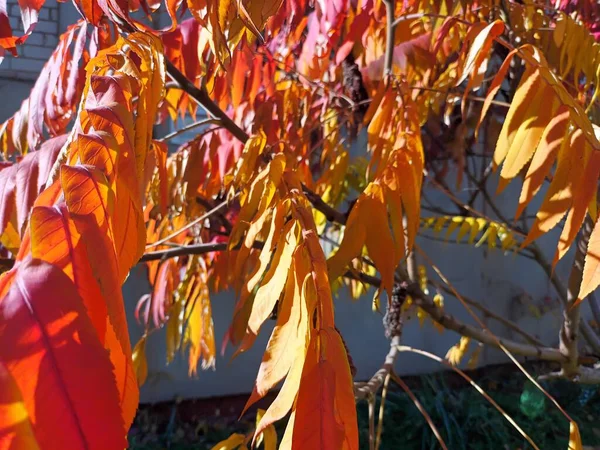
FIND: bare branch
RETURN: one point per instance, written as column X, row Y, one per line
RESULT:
column 189, row 127
column 196, row 249
column 202, row 97
column 404, row 348
column 389, row 39
column 450, row 323
column 331, row 214
column 192, row 249
column 492, row 315
column 571, row 313
column 584, row 375
column 593, row 301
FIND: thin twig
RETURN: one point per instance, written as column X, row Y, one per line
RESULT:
column 371, row 401
column 449, row 322
column 192, row 249
column 202, row 97
column 420, row 407
column 404, row 348
column 389, row 39
column 588, row 333
column 498, row 341
column 492, row 315
column 189, row 127
column 204, row 216
column 196, row 249
column 381, row 410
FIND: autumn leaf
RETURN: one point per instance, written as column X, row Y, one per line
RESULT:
column 79, row 364
column 16, row 431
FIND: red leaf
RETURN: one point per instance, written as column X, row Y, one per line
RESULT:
column 21, row 183
column 48, row 345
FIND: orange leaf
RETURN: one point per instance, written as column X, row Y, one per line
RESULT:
column 325, row 415
column 544, row 157
column 56, row 240
column 559, row 197
column 89, row 201
column 479, row 49
column 200, row 333
column 517, row 113
column 15, row 429
column 583, row 194
column 591, row 268
column 495, row 87
column 529, row 133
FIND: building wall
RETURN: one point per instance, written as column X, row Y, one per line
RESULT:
column 39, row 45
column 507, row 284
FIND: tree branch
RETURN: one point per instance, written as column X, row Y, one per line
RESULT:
column 450, row 323
column 192, row 249
column 586, row 330
column 189, row 127
column 389, row 39
column 202, row 97
column 331, row 214
column 569, row 330
column 196, row 249
column 491, row 314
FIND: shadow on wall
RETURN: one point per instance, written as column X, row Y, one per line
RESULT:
column 12, row 94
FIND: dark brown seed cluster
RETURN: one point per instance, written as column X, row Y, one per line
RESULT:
column 392, row 320
column 355, row 89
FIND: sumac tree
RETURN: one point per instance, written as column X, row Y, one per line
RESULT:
column 87, row 191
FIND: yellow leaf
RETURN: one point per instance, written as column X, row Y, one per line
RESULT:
column 591, row 268
column 476, row 225
column 140, row 364
column 199, row 334
column 268, row 435
column 517, row 113
column 247, row 163
column 457, row 352
column 232, row 442
column 544, row 157
column 574, row 437
column 560, row 192
column 274, row 279
column 474, row 359
column 529, row 132
column 479, row 48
